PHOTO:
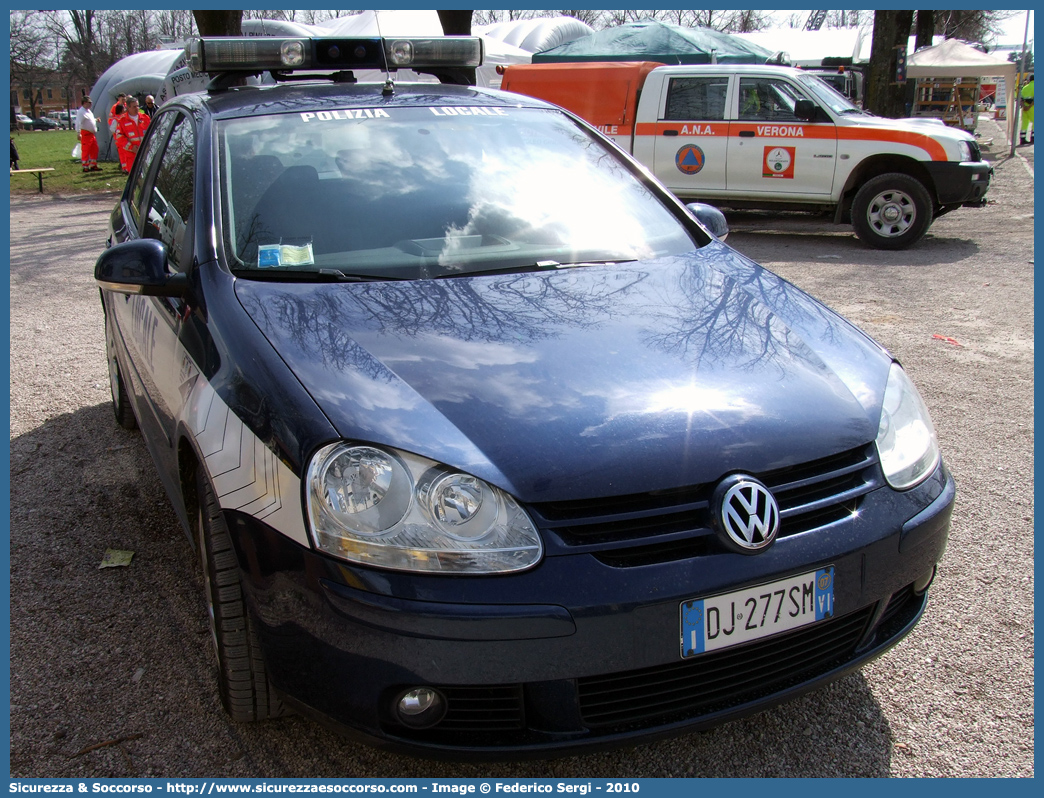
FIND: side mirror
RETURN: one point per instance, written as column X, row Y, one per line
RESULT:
column 711, row 218
column 805, row 110
column 139, row 267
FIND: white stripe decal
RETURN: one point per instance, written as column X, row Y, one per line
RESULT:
column 247, row 476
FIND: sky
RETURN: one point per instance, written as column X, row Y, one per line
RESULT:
column 1016, row 27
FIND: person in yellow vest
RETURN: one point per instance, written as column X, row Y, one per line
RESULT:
column 1026, row 95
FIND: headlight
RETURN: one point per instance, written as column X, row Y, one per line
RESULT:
column 964, row 150
column 906, row 441
column 397, row 510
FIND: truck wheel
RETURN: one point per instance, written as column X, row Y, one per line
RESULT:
column 121, row 406
column 243, row 682
column 891, row 211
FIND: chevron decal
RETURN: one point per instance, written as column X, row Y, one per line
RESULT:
column 246, row 474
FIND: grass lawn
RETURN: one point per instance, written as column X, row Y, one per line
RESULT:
column 54, row 148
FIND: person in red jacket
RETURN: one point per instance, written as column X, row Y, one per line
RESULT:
column 121, row 101
column 130, row 129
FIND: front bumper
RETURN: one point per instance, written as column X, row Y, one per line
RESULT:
column 964, row 183
column 574, row 654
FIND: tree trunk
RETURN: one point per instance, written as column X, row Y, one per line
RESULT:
column 219, row 23
column 455, row 23
column 884, row 96
column 925, row 29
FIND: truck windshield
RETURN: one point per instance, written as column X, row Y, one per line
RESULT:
column 828, row 95
column 408, row 193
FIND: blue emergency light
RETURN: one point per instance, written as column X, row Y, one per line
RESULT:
column 259, row 53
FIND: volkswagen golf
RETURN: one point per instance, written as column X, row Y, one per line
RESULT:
column 488, row 445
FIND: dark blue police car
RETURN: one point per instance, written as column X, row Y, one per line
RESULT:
column 488, row 447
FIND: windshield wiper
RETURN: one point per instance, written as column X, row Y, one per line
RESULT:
column 539, row 266
column 318, row 276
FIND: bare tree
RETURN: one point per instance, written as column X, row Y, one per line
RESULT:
column 81, row 53
column 748, row 21
column 971, row 25
column 493, row 17
column 32, row 56
column 884, row 96
column 590, row 16
column 725, row 21
column 845, row 19
column 174, row 25
column 315, row 17
column 625, row 16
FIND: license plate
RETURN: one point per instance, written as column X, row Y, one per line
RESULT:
column 755, row 612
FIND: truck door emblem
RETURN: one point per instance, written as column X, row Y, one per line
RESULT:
column 690, row 159
column 779, row 162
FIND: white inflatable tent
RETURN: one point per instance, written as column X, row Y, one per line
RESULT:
column 139, row 74
column 537, row 35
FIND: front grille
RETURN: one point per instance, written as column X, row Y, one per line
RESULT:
column 901, row 610
column 717, row 681
column 644, row 699
column 483, row 709
column 641, row 529
column 976, row 152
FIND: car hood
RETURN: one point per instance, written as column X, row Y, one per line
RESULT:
column 583, row 382
column 925, row 126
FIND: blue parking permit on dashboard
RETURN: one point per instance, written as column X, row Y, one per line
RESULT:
column 268, row 256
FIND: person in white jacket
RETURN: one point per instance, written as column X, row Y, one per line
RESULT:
column 87, row 127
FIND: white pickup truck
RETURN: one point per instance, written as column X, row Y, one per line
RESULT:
column 770, row 137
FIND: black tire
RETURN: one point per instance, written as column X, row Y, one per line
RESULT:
column 891, row 211
column 243, row 682
column 121, row 406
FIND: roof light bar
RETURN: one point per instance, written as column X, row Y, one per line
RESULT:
column 449, row 51
column 262, row 53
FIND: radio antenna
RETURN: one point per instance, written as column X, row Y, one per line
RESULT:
column 389, row 84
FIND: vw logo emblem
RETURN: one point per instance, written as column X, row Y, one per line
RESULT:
column 746, row 513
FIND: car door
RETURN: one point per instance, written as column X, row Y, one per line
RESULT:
column 160, row 206
column 691, row 135
column 773, row 154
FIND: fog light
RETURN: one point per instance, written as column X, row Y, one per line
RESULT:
column 420, row 707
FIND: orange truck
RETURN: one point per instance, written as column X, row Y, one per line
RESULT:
column 771, row 137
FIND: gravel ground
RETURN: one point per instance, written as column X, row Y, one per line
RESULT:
column 123, row 653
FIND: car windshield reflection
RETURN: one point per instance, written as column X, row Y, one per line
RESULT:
column 431, row 192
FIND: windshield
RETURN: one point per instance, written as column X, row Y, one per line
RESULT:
column 828, row 95
column 406, row 193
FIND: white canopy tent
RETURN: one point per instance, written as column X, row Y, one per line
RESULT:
column 955, row 59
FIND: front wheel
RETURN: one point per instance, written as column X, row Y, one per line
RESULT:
column 891, row 211
column 121, row 405
column 242, row 678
